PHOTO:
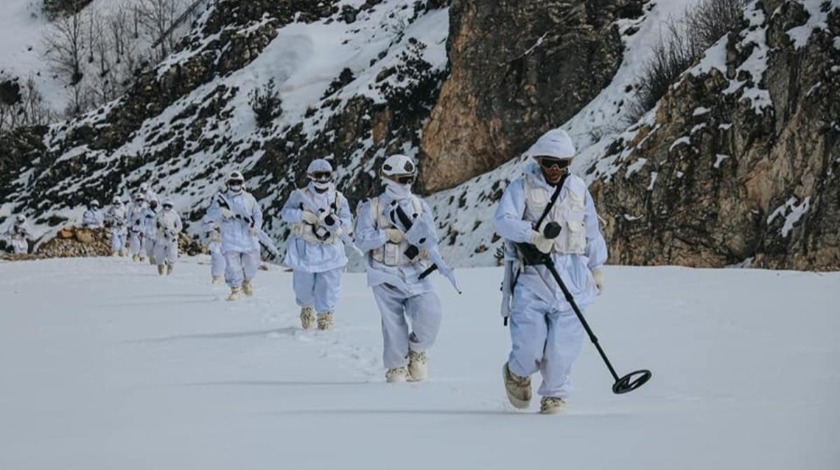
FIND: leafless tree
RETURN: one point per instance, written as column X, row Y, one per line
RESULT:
column 67, row 49
column 158, row 18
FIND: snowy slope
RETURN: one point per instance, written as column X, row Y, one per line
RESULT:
column 22, row 30
column 304, row 58
column 119, row 369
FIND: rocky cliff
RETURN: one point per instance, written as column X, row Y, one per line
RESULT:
column 518, row 69
column 741, row 159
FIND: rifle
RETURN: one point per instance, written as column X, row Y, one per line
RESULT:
column 434, row 253
column 262, row 237
column 329, row 218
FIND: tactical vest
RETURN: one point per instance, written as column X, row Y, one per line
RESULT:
column 394, row 254
column 569, row 213
column 316, row 233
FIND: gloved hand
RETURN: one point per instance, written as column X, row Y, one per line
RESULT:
column 394, row 235
column 332, row 223
column 310, row 218
column 598, row 275
column 543, row 244
column 227, row 213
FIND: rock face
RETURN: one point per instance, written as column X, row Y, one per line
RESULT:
column 737, row 164
column 78, row 242
column 518, row 69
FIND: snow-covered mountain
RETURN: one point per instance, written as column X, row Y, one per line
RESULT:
column 358, row 80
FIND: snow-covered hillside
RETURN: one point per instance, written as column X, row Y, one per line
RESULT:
column 118, row 368
column 323, row 64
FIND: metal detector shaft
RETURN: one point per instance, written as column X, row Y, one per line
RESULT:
column 549, row 263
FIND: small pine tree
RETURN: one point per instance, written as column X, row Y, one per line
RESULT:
column 266, row 103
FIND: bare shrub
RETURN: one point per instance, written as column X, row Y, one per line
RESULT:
column 681, row 45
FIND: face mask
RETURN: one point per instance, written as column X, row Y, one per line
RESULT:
column 321, row 186
column 235, row 188
column 397, row 191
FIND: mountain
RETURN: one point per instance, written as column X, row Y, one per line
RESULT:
column 465, row 86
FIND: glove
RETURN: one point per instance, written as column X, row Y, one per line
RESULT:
column 332, row 223
column 598, row 275
column 543, row 244
column 394, row 235
column 421, row 234
column 310, row 218
column 227, row 213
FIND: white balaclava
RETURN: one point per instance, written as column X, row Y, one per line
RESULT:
column 320, row 174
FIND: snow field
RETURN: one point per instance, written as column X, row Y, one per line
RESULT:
column 106, row 365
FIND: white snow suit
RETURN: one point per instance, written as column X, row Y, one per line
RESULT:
column 150, row 233
column 167, row 225
column 546, row 335
column 316, row 253
column 19, row 235
column 240, row 228
column 401, row 296
column 217, row 258
column 136, row 228
column 116, row 219
column 93, row 218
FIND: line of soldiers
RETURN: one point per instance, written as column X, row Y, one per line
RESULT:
column 396, row 233
column 144, row 229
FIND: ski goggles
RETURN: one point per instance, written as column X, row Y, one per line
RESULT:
column 167, row 206
column 321, row 176
column 549, row 162
column 405, row 179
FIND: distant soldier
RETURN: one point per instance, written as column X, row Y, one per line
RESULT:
column 93, row 216
column 19, row 235
column 168, row 226
column 115, row 220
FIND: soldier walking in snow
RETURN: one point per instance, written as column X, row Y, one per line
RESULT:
column 136, row 228
column 115, row 220
column 19, row 235
column 546, row 335
column 315, row 251
column 240, row 217
column 168, row 225
column 93, row 216
column 394, row 266
column 150, row 230
column 217, row 259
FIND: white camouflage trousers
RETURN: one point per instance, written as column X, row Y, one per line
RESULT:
column 543, row 339
column 217, row 261
column 320, row 290
column 423, row 311
column 166, row 252
column 117, row 241
column 241, row 267
column 135, row 244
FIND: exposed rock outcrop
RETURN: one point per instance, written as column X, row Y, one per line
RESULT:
column 741, row 160
column 518, row 69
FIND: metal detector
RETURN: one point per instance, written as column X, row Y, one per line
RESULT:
column 625, row 384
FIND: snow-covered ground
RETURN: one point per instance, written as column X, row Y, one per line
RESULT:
column 107, row 366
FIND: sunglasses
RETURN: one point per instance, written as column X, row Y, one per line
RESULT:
column 322, row 176
column 548, row 162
